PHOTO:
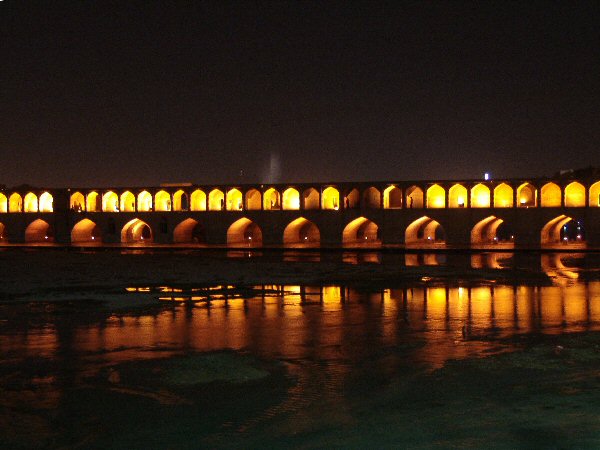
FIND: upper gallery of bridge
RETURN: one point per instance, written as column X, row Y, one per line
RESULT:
column 507, row 193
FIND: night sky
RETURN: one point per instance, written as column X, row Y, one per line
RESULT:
column 141, row 93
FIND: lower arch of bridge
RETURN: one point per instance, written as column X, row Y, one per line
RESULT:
column 253, row 200
column 486, row 232
column 557, row 231
column 301, row 233
column 244, row 232
column 86, row 231
column 361, row 231
column 425, row 231
column 136, row 230
column 39, row 231
column 392, row 197
column 189, row 231
column 2, row 234
column 291, row 199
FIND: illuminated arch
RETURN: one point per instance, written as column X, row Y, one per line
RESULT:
column 144, row 201
column 595, row 194
column 244, row 233
column 526, row 195
column 311, row 198
column 46, row 202
column 110, row 202
column 353, row 199
column 15, row 202
column 198, row 200
column 77, row 202
column 414, row 197
column 457, row 196
column 162, row 201
column 503, row 196
column 485, row 231
column 39, row 231
column 136, row 230
column 216, row 200
column 253, row 200
column 291, row 199
column 551, row 232
column 424, row 231
column 436, row 197
column 30, row 203
column 301, row 233
column 180, row 201
column 372, row 198
column 392, row 197
column 362, row 232
column 189, row 231
column 127, row 202
column 92, row 202
column 2, row 233
column 480, row 196
column 3, row 203
column 86, row 231
column 575, row 195
column 234, row 200
column 330, row 198
column 271, row 199
column 551, row 195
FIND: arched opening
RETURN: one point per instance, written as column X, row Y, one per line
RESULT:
column 392, row 198
column 15, row 203
column 527, row 196
column 39, row 231
column 575, row 195
column 311, row 198
column 436, row 197
column 301, row 233
column 564, row 230
column 253, row 200
column 352, row 199
column 595, row 194
column 3, row 203
column 2, row 233
column 361, row 232
column 503, row 196
column 77, row 202
column 127, row 202
column 136, row 231
column 189, row 231
column 144, row 201
column 457, row 196
column 414, row 197
column 488, row 231
column 180, row 201
column 234, row 200
column 244, row 233
column 271, row 199
column 198, row 200
column 110, row 202
column 216, row 200
column 425, row 231
column 46, row 202
column 551, row 195
column 93, row 203
column 480, row 196
column 162, row 201
column 30, row 203
column 86, row 231
column 291, row 199
column 330, row 198
column 371, row 198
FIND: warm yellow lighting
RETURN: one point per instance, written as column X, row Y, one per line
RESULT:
column 480, row 196
column 110, row 202
column 503, row 196
column 392, row 197
column 46, row 202
column 31, row 203
column 291, row 199
column 162, row 201
column 127, row 202
column 15, row 203
column 575, row 195
column 77, row 202
column 234, row 200
column 216, row 200
column 198, row 201
column 436, row 197
column 595, row 194
column 253, row 200
column 271, row 199
column 330, row 198
column 551, row 195
column 144, row 201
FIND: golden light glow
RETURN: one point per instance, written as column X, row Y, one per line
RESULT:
column 144, row 201
column 456, row 196
column 526, row 194
column 244, row 233
column 503, row 196
column 216, row 200
column 188, row 231
column 353, row 199
column 253, row 200
column 234, row 200
column 551, row 232
column 392, row 197
column 3, row 203
column 77, row 202
column 311, row 198
column 480, row 196
column 484, row 232
column 575, row 195
column 423, row 231
column 291, row 199
column 371, row 198
column 301, row 232
column 136, row 230
column 361, row 231
column 595, row 194
column 110, row 202
column 436, row 197
column 31, row 203
column 271, row 200
column 414, row 197
column 15, row 202
column 86, row 231
column 38, row 231
column 162, row 201
column 92, row 202
column 180, row 201
column 127, row 202
column 330, row 199
column 551, row 195
column 46, row 202
column 198, row 201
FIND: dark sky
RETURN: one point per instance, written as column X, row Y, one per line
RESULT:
column 141, row 92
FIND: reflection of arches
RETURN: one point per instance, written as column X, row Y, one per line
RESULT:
column 527, row 195
column 301, row 232
column 30, row 203
column 551, row 195
column 353, row 199
column 198, row 200
column 162, row 201
column 86, row 231
column 136, row 230
column 291, row 199
column 253, row 200
column 216, row 200
column 144, row 202
column 180, row 201
column 39, row 231
column 424, row 231
column 271, row 199
column 392, row 197
column 311, row 198
column 371, row 198
column 93, row 202
column 15, row 202
column 189, row 231
column 330, row 198
column 503, row 196
column 46, row 202
column 110, row 202
column 595, row 194
column 244, row 232
column 414, row 197
column 127, row 202
column 361, row 231
column 77, row 202
column 436, row 197
column 480, row 196
column 457, row 196
column 574, row 194
column 485, row 231
column 234, row 200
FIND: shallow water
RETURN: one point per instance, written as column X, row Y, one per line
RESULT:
column 440, row 362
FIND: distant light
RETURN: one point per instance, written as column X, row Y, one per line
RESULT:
column 486, row 176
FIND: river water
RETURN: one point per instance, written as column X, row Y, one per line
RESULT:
column 442, row 362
